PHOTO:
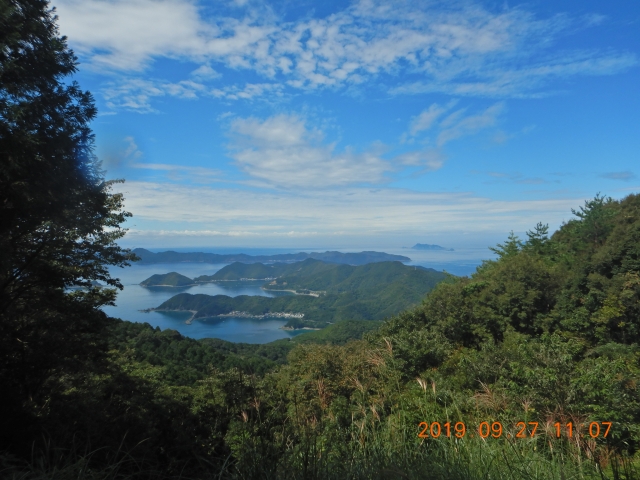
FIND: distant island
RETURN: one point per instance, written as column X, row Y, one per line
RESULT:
column 426, row 246
column 362, row 258
column 325, row 293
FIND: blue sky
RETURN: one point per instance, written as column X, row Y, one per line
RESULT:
column 357, row 124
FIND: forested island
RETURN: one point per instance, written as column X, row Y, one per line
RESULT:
column 360, row 258
column 172, row 279
column 326, row 293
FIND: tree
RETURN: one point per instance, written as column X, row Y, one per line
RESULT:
column 509, row 248
column 59, row 220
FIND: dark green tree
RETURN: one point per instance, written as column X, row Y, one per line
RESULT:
column 59, row 220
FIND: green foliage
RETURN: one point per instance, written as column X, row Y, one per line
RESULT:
column 59, row 220
column 184, row 361
column 339, row 333
column 172, row 279
column 340, row 292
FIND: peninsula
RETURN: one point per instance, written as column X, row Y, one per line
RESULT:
column 325, row 293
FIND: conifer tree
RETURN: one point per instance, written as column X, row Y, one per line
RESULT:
column 59, row 220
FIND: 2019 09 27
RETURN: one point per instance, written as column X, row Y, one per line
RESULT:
column 518, row 430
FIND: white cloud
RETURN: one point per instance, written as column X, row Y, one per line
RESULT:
column 128, row 34
column 205, row 72
column 463, row 49
column 135, row 94
column 353, row 211
column 249, row 91
column 283, row 152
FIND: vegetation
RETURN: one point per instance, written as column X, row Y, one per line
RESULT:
column 58, row 223
column 360, row 258
column 172, row 279
column 342, row 292
column 184, row 361
column 255, row 271
column 368, row 292
column 547, row 333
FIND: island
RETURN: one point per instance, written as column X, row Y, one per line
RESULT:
column 324, row 293
column 172, row 279
column 361, row 258
column 426, row 246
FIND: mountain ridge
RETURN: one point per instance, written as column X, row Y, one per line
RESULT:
column 360, row 258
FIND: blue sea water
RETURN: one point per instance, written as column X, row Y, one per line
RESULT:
column 135, row 298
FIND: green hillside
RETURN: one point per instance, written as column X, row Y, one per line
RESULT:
column 368, row 292
column 172, row 279
column 239, row 271
column 338, row 333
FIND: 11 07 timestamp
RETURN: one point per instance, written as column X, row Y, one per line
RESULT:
column 520, row 430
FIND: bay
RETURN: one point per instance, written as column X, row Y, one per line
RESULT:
column 135, row 298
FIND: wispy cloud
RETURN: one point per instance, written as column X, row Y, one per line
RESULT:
column 463, row 49
column 427, row 118
column 515, row 177
column 183, row 173
column 282, row 151
column 460, row 126
column 623, row 176
column 456, row 124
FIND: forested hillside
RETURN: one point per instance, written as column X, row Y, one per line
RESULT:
column 172, row 279
column 330, row 292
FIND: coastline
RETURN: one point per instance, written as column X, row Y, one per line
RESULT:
column 234, row 314
column 312, row 294
column 291, row 329
column 189, row 320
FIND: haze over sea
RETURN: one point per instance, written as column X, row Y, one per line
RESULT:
column 135, row 298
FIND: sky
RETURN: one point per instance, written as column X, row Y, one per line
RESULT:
column 242, row 123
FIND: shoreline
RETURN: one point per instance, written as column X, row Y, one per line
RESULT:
column 291, row 329
column 188, row 321
column 314, row 294
column 234, row 314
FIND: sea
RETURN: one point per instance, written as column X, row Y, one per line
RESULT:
column 134, row 299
